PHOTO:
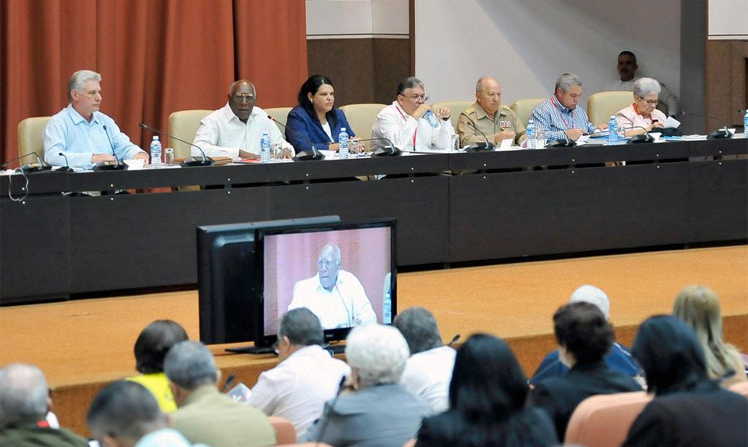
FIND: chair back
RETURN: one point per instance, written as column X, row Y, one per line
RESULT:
column 31, row 137
column 604, row 420
column 523, row 108
column 279, row 114
column 456, row 107
column 361, row 117
column 285, row 433
column 601, row 105
column 184, row 124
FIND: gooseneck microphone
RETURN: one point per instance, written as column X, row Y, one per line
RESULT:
column 191, row 162
column 478, row 147
column 67, row 167
column 387, row 150
column 308, row 154
column 104, row 166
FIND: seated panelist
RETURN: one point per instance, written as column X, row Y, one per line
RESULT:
column 560, row 116
column 81, row 133
column 488, row 119
column 642, row 116
column 410, row 123
column 315, row 121
column 235, row 130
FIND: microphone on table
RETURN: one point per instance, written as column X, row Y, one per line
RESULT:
column 641, row 138
column 478, row 147
column 387, row 150
column 191, row 162
column 454, row 340
column 67, row 167
column 40, row 167
column 309, row 154
column 104, row 166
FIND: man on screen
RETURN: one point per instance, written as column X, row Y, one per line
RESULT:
column 334, row 295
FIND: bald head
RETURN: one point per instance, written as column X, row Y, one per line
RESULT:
column 488, row 94
column 242, row 98
column 24, row 395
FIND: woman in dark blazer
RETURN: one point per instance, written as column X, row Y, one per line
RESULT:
column 315, row 120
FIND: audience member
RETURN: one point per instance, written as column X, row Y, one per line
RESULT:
column 487, row 118
column 375, row 410
column 24, row 402
column 617, row 359
column 306, row 377
column 150, row 349
column 315, row 121
column 429, row 368
column 205, row 415
column 688, row 408
column 627, row 68
column 410, row 123
column 698, row 306
column 125, row 414
column 487, row 396
column 642, row 116
column 235, row 130
column 584, row 337
column 80, row 135
column 560, row 116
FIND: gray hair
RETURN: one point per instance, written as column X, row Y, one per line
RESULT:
column 23, row 394
column 409, row 82
column 335, row 251
column 79, row 78
column 646, row 86
column 479, row 83
column 419, row 328
column 377, row 353
column 568, row 80
column 593, row 295
column 124, row 409
column 301, row 327
column 190, row 364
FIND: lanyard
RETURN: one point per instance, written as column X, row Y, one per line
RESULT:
column 405, row 118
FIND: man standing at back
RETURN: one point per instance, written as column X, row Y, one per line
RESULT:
column 627, row 68
column 306, row 377
column 205, row 415
column 560, row 116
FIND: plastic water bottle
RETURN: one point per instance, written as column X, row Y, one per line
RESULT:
column 612, row 130
column 343, row 143
column 265, row 147
column 431, row 118
column 745, row 124
column 531, row 143
column 155, row 151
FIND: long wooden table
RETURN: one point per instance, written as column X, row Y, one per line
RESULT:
column 450, row 208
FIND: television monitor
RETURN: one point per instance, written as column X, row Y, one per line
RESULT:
column 345, row 273
column 226, row 265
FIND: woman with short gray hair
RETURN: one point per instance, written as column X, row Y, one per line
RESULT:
column 642, row 116
column 374, row 409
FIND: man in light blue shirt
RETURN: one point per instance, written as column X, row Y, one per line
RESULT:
column 79, row 135
column 559, row 116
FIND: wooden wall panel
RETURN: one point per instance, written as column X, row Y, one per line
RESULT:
column 726, row 78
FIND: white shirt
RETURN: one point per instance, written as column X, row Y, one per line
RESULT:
column 299, row 386
column 402, row 129
column 222, row 134
column 666, row 96
column 427, row 375
column 346, row 305
column 328, row 131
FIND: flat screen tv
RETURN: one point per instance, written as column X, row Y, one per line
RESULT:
column 345, row 273
column 227, row 266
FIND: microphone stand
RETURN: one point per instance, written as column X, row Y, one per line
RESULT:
column 191, row 162
column 117, row 165
column 478, row 147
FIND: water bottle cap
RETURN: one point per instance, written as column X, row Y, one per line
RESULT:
column 342, row 129
column 155, row 137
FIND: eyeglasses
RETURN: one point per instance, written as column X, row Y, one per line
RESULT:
column 648, row 101
column 423, row 98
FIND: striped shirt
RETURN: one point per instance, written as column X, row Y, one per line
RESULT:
column 553, row 118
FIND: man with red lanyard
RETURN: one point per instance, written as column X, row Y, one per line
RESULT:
column 560, row 117
column 411, row 124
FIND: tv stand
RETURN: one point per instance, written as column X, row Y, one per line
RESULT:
column 252, row 350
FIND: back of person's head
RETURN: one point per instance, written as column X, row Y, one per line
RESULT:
column 487, row 384
column 419, row 328
column 698, row 307
column 377, row 354
column 124, row 409
column 670, row 355
column 190, row 364
column 302, row 327
column 154, row 342
column 593, row 295
column 24, row 395
column 582, row 329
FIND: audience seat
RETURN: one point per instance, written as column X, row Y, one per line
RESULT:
column 279, row 114
column 523, row 108
column 604, row 420
column 456, row 107
column 31, row 137
column 285, row 433
column 361, row 117
column 740, row 388
column 184, row 124
column 603, row 104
